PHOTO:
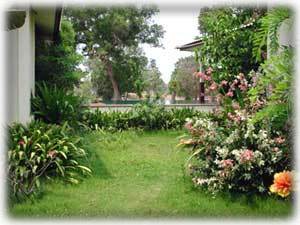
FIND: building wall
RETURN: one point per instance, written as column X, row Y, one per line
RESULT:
column 20, row 70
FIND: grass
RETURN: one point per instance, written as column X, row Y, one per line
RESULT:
column 141, row 174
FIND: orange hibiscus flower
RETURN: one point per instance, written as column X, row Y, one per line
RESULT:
column 282, row 184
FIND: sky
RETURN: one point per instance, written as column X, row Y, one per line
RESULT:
column 181, row 27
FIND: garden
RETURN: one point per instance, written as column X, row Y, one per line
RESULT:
column 235, row 161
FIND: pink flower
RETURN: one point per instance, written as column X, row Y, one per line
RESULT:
column 213, row 86
column 279, row 140
column 227, row 163
column 207, row 78
column 224, row 82
column 209, row 70
column 243, row 87
column 201, row 75
column 229, row 94
column 21, row 142
column 235, row 81
column 246, row 156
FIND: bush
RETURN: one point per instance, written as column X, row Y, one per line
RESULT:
column 40, row 150
column 55, row 105
column 148, row 116
column 237, row 158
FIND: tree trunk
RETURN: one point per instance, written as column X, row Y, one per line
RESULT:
column 173, row 97
column 110, row 74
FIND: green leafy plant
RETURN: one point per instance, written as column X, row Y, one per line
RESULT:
column 55, row 105
column 269, row 26
column 148, row 116
column 39, row 150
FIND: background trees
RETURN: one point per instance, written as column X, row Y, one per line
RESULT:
column 183, row 82
column 153, row 84
column 112, row 36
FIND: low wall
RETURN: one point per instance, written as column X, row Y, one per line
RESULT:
column 123, row 107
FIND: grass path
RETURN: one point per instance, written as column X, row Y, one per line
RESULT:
column 140, row 175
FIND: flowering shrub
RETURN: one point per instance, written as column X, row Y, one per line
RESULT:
column 240, row 159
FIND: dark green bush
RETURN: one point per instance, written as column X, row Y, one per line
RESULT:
column 55, row 105
column 41, row 150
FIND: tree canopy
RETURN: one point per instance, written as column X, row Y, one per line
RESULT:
column 56, row 63
column 183, row 82
column 112, row 35
column 228, row 35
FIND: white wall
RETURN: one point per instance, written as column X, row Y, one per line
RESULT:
column 20, row 70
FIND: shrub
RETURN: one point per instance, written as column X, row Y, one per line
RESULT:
column 54, row 105
column 239, row 158
column 40, row 150
column 148, row 116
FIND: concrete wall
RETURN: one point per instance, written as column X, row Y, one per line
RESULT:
column 20, row 59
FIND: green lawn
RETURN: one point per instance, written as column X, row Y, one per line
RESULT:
column 140, row 174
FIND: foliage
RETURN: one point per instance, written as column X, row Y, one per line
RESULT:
column 38, row 151
column 269, row 26
column 227, row 35
column 274, row 87
column 112, row 35
column 153, row 84
column 55, row 105
column 85, row 90
column 236, row 157
column 148, row 116
column 183, row 82
column 241, row 147
column 55, row 63
column 139, row 174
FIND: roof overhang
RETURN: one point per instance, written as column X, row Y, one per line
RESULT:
column 47, row 21
column 190, row 46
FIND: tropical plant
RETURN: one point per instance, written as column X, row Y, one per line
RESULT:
column 269, row 26
column 148, row 116
column 39, row 150
column 55, row 105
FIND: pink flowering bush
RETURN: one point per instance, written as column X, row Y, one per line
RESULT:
column 239, row 157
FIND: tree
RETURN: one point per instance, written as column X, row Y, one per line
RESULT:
column 227, row 35
column 56, row 63
column 183, row 82
column 113, row 34
column 153, row 84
